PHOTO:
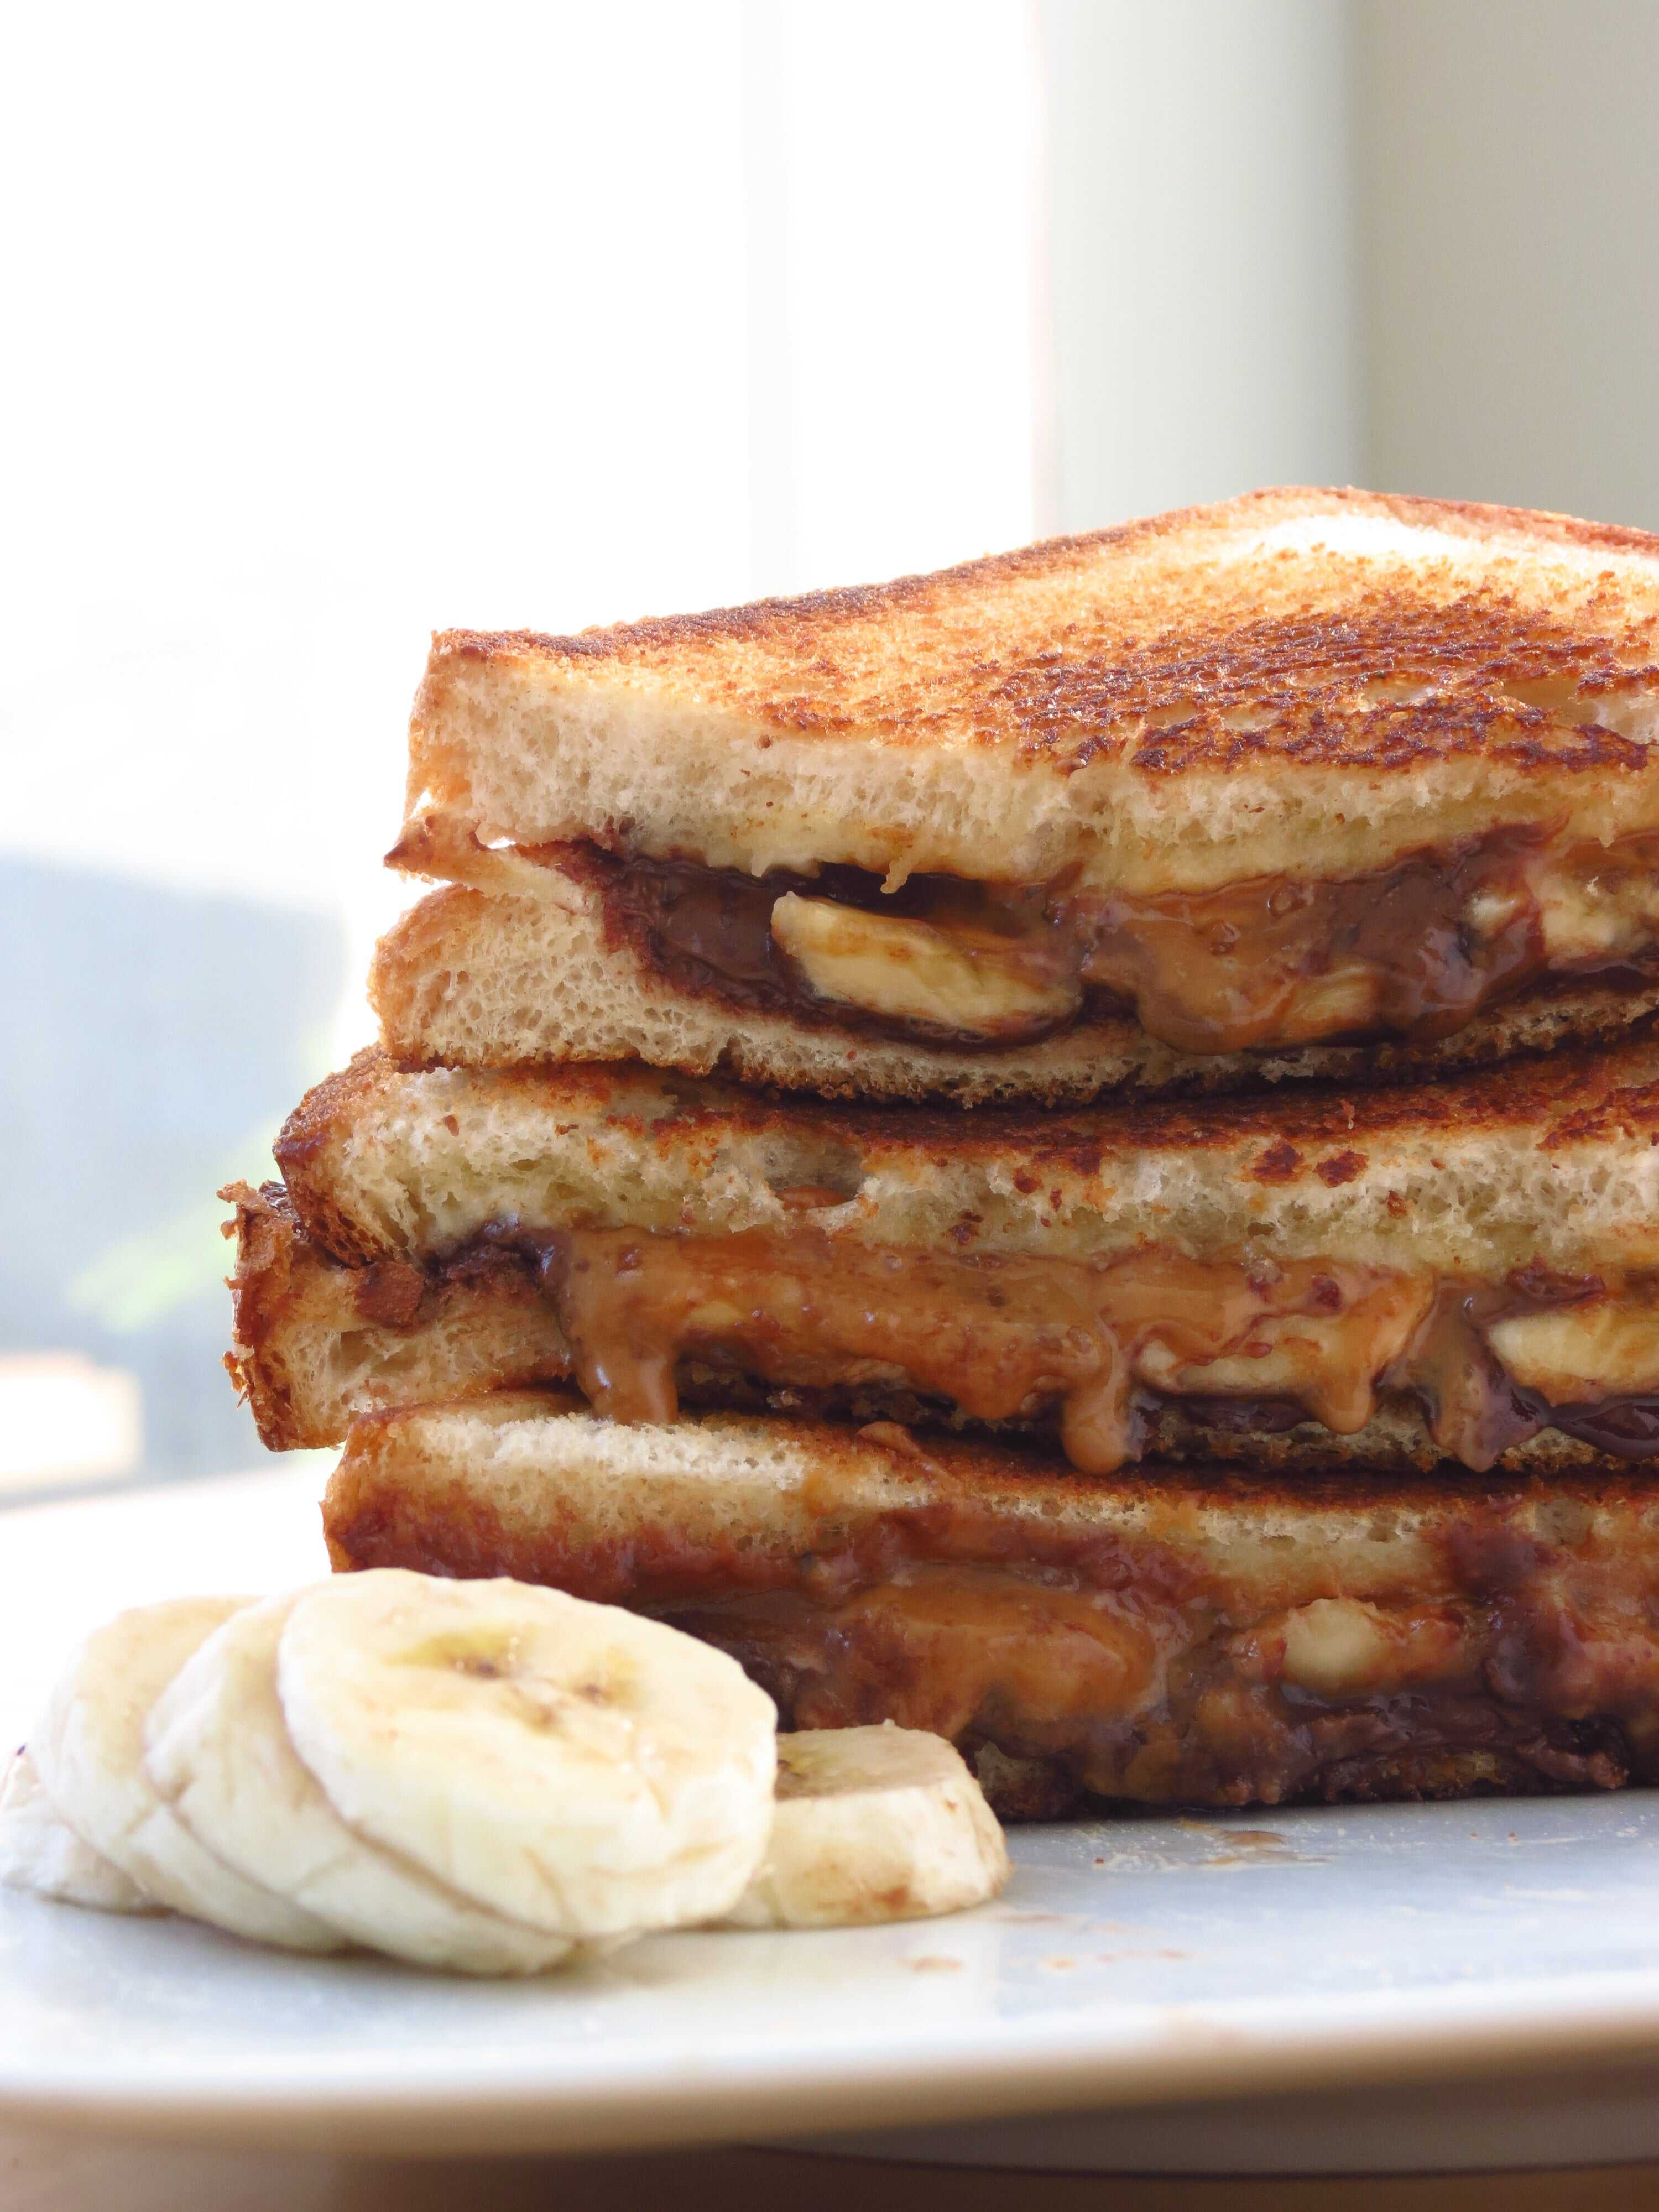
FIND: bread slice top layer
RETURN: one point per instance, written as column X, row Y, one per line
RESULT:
column 731, row 1502
column 1553, row 1162
column 1298, row 680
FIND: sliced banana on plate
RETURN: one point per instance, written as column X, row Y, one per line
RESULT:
column 89, row 1750
column 479, row 1776
column 40, row 1852
column 219, row 1752
column 569, row 1765
column 872, row 1824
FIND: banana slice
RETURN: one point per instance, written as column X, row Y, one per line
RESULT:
column 1607, row 1348
column 872, row 1824
column 219, row 1752
column 40, row 1851
column 970, row 981
column 90, row 1750
column 569, row 1765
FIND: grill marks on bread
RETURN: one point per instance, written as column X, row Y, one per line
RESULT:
column 1303, row 684
column 1230, row 644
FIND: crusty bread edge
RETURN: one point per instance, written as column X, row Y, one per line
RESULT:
column 461, row 1472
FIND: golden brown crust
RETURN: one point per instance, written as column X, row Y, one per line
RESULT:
column 1159, row 635
column 317, row 1123
column 1022, row 1479
column 1156, row 629
column 262, row 1292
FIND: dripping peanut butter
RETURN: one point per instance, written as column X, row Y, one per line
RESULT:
column 1099, row 1347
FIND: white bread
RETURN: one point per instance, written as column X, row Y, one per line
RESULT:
column 472, row 978
column 315, row 1343
column 535, row 1477
column 1554, row 1161
column 1306, row 680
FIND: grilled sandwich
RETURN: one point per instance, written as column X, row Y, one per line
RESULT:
column 1311, row 784
column 1175, row 1636
column 1464, row 1272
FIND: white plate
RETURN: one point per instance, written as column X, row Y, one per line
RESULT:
column 1126, row 1963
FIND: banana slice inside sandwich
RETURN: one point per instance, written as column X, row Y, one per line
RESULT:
column 219, row 1752
column 1605, row 1348
column 89, row 1750
column 40, row 1852
column 569, row 1765
column 971, row 982
column 872, row 1824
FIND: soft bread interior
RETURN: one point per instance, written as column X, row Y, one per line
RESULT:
column 530, row 1479
column 314, row 1345
column 1548, row 1161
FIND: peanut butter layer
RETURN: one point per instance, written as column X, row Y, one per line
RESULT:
column 1062, row 1692
column 1004, row 1338
column 1414, row 950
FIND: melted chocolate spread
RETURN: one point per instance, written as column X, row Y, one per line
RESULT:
column 1255, row 965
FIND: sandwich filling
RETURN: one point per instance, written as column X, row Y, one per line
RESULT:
column 1414, row 950
column 1146, row 1694
column 1099, row 1348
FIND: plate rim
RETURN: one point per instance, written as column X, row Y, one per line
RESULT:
column 1196, row 2052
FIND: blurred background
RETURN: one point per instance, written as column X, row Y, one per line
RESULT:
column 331, row 325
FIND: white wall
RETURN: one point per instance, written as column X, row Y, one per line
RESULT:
column 1200, row 232
column 1509, row 164
column 891, row 171
column 321, row 337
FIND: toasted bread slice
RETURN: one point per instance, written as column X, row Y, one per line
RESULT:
column 1252, row 785
column 315, row 1342
column 1552, row 1161
column 468, row 979
column 1459, row 1271
column 1178, row 1636
column 1300, row 678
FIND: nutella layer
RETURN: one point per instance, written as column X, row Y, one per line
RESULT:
column 1414, row 951
column 1152, row 1354
column 1102, row 1352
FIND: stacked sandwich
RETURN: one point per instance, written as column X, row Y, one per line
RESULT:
column 1065, row 1153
